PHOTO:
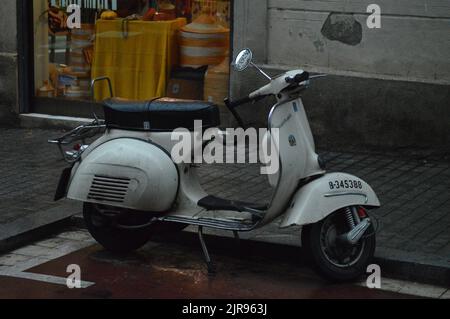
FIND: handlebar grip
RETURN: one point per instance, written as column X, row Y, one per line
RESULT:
column 233, row 104
column 298, row 78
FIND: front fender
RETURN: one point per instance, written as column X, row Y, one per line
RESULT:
column 323, row 196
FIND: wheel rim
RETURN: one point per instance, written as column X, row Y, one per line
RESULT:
column 337, row 252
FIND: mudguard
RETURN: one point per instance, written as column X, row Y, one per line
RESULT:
column 127, row 173
column 323, row 196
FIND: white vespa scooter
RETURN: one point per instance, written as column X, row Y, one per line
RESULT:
column 131, row 188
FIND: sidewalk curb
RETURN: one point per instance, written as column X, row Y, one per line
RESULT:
column 400, row 268
column 33, row 235
column 35, row 226
column 411, row 270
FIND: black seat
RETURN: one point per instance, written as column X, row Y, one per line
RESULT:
column 159, row 115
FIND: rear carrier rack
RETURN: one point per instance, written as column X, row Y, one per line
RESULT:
column 82, row 133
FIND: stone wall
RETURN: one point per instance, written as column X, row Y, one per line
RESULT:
column 388, row 87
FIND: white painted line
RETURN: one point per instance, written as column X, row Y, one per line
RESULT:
column 410, row 288
column 445, row 295
column 48, row 279
column 429, row 291
column 18, row 270
column 56, row 253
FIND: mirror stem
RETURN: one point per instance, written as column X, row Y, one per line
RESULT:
column 261, row 71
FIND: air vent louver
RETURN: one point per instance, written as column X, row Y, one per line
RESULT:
column 109, row 189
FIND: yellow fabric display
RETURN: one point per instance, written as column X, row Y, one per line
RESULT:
column 136, row 55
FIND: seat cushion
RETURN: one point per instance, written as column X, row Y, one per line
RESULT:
column 159, row 115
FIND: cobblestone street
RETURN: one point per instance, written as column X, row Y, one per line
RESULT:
column 28, row 173
column 414, row 217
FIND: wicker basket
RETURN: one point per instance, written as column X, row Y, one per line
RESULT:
column 217, row 82
column 203, row 42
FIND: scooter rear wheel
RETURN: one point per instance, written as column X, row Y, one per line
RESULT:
column 117, row 239
column 335, row 260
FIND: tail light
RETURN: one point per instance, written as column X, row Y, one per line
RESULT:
column 362, row 212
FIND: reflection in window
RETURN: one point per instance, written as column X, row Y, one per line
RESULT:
column 149, row 48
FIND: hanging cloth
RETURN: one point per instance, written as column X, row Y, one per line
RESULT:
column 136, row 55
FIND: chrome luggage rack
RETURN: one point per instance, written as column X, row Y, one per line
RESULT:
column 82, row 133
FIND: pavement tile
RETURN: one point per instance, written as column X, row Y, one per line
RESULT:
column 423, row 290
column 7, row 269
column 76, row 235
column 34, row 251
column 446, row 295
column 53, row 242
column 392, row 284
column 445, row 251
column 13, row 259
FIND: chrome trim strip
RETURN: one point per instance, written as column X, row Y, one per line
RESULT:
column 270, row 126
column 280, row 169
column 211, row 223
column 346, row 194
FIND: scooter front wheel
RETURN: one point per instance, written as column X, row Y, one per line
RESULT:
column 332, row 257
column 122, row 231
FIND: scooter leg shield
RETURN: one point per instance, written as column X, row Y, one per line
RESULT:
column 127, row 173
column 324, row 195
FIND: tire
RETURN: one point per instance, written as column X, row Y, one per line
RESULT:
column 119, row 240
column 313, row 237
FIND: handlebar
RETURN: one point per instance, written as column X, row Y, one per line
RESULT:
column 298, row 78
column 232, row 105
column 236, row 103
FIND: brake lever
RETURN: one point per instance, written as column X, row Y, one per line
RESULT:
column 318, row 76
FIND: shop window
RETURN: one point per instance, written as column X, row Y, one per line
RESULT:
column 148, row 49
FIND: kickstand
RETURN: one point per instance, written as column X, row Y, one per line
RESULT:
column 236, row 237
column 209, row 263
column 237, row 241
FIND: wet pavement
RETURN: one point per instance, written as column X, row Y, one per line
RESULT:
column 414, row 220
column 168, row 269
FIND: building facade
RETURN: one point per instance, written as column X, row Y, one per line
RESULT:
column 386, row 87
column 9, row 106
